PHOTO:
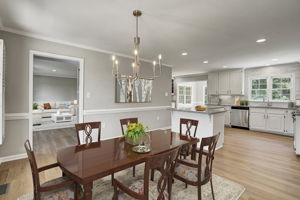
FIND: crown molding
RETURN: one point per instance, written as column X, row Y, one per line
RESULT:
column 49, row 39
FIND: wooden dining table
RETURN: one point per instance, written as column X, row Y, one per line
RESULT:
column 87, row 163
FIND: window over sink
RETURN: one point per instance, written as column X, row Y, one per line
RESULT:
column 272, row 88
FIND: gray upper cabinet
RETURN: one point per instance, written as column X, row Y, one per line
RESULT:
column 213, row 83
column 229, row 82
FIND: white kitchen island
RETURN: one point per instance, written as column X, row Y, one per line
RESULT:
column 211, row 122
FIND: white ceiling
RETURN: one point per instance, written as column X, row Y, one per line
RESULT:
column 220, row 31
column 44, row 66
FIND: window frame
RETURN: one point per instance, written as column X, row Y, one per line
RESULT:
column 205, row 95
column 184, row 95
column 270, row 87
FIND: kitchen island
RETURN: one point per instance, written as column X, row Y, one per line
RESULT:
column 211, row 122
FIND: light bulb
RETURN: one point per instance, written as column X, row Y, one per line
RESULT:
column 117, row 62
column 133, row 65
column 154, row 63
column 159, row 56
column 136, row 52
column 113, row 58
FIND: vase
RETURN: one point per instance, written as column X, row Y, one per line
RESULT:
column 130, row 141
column 145, row 140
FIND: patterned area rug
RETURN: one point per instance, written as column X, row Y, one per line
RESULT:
column 224, row 189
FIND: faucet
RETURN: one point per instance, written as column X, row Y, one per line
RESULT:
column 268, row 101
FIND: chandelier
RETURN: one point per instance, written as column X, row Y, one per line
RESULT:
column 136, row 65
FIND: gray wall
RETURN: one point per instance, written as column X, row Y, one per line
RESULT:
column 98, row 83
column 50, row 88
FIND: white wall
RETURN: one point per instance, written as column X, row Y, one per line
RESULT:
column 49, row 88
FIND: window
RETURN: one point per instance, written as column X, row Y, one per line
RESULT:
column 281, row 88
column 184, row 94
column 259, row 89
column 273, row 88
column 205, row 96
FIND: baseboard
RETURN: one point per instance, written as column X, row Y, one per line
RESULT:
column 13, row 157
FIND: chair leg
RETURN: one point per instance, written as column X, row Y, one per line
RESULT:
column 186, row 185
column 112, row 179
column 75, row 191
column 212, row 189
column 133, row 171
column 170, row 187
column 152, row 174
column 199, row 192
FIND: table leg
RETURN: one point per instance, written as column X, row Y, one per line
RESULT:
column 87, row 193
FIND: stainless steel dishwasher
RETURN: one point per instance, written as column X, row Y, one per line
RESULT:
column 239, row 117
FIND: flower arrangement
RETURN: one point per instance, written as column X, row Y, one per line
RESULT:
column 134, row 131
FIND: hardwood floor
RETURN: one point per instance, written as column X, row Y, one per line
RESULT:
column 264, row 163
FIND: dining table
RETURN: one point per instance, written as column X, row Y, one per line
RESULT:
column 89, row 162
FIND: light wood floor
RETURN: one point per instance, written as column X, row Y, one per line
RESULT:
column 264, row 163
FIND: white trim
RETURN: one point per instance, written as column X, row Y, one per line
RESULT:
column 16, row 116
column 124, row 110
column 13, row 157
column 11, row 30
column 32, row 53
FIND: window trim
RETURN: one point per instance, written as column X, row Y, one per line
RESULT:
column 269, row 87
column 205, row 95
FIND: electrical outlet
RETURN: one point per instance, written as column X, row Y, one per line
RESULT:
column 166, row 94
column 157, row 118
column 88, row 95
column 103, row 125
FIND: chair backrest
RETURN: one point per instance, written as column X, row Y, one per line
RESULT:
column 188, row 125
column 164, row 163
column 34, row 169
column 88, row 132
column 206, row 157
column 125, row 122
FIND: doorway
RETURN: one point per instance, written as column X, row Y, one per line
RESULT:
column 55, row 92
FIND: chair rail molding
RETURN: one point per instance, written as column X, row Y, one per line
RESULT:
column 16, row 116
column 124, row 110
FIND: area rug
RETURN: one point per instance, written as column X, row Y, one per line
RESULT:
column 224, row 189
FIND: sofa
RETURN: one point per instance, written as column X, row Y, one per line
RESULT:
column 61, row 106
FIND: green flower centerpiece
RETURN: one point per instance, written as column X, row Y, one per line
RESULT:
column 135, row 133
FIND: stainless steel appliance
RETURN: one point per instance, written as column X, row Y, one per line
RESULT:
column 239, row 117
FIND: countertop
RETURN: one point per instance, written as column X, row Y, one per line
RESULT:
column 270, row 107
column 208, row 111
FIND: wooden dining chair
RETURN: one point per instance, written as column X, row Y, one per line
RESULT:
column 188, row 127
column 88, row 132
column 59, row 188
column 124, row 123
column 198, row 174
column 143, row 188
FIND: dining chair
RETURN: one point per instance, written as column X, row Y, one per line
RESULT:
column 59, row 188
column 145, row 189
column 125, row 122
column 199, row 173
column 88, row 132
column 188, row 127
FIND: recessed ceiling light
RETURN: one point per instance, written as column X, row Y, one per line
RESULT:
column 184, row 53
column 205, row 62
column 261, row 40
column 224, row 66
column 275, row 59
column 54, row 70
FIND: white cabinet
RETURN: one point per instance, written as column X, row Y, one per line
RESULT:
column 236, row 82
column 288, row 122
column 257, row 119
column 213, row 83
column 271, row 120
column 224, row 83
column 230, row 82
column 227, row 115
column 275, row 122
column 2, row 91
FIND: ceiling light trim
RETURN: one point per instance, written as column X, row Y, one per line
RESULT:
column 49, row 39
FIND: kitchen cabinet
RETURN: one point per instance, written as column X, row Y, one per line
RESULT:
column 229, row 82
column 227, row 115
column 271, row 120
column 288, row 122
column 224, row 83
column 213, row 83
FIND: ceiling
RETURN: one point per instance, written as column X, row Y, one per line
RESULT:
column 44, row 66
column 220, row 31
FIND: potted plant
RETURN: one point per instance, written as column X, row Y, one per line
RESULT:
column 35, row 106
column 135, row 132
